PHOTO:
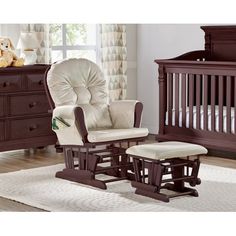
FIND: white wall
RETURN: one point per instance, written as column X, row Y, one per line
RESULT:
column 131, row 42
column 160, row 41
column 10, row 30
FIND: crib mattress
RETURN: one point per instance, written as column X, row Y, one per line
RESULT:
column 202, row 118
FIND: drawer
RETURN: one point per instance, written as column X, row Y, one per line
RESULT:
column 10, row 83
column 35, row 81
column 30, row 104
column 1, row 106
column 28, row 128
column 1, row 130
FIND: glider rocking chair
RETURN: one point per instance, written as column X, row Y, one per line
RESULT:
column 94, row 134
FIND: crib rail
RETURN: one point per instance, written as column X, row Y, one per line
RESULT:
column 197, row 94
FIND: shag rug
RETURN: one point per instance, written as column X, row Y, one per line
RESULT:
column 39, row 188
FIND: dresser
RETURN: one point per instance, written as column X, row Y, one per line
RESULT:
column 25, row 120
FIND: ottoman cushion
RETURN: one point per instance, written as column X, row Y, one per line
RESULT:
column 166, row 150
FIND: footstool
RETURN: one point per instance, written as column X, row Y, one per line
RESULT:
column 166, row 165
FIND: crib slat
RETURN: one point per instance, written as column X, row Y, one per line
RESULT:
column 183, row 100
column 234, row 105
column 177, row 100
column 228, row 103
column 170, row 98
column 198, row 96
column 221, row 84
column 213, row 95
column 191, row 98
column 205, row 104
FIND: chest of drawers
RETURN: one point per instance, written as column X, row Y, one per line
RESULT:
column 25, row 121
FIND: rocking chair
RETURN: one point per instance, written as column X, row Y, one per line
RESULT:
column 93, row 134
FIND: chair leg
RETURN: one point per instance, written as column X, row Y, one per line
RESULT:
column 124, row 161
column 82, row 177
column 85, row 174
column 87, row 168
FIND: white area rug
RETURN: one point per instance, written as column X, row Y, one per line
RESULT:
column 39, row 188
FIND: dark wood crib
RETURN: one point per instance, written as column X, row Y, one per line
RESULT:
column 197, row 93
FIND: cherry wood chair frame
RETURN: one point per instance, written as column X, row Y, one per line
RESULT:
column 84, row 162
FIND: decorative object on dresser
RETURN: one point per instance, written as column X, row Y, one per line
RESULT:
column 25, row 121
column 28, row 43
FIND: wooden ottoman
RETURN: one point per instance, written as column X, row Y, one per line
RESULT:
column 166, row 165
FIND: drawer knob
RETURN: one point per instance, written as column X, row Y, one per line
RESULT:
column 40, row 82
column 33, row 104
column 33, row 127
column 6, row 84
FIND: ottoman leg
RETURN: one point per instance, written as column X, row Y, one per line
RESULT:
column 179, row 185
column 178, row 172
column 152, row 188
column 155, row 195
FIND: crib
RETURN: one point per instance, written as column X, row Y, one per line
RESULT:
column 197, row 93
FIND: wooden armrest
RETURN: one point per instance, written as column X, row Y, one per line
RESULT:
column 138, row 114
column 80, row 123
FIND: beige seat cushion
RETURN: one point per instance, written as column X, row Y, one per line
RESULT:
column 116, row 134
column 165, row 150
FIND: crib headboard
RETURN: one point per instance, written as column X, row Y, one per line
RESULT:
column 220, row 41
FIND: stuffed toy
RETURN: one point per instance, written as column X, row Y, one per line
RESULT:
column 7, row 57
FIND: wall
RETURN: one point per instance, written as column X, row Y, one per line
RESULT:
column 131, row 42
column 12, row 31
column 160, row 41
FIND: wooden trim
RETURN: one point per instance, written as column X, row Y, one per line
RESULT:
column 228, row 104
column 183, row 89
column 198, row 101
column 162, row 97
column 138, row 114
column 170, row 98
column 80, row 123
column 220, row 102
column 191, row 99
column 51, row 103
column 205, row 102
column 177, row 99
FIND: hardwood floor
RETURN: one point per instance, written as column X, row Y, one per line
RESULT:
column 26, row 159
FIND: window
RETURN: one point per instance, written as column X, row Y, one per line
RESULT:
column 74, row 40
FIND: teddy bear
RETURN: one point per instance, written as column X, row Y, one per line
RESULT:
column 7, row 57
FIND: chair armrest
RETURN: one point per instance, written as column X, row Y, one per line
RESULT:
column 74, row 115
column 126, row 113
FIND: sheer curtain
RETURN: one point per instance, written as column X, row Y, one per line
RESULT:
column 42, row 32
column 114, row 59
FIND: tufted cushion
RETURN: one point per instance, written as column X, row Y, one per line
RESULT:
column 81, row 82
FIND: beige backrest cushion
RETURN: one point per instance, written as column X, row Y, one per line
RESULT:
column 81, row 82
